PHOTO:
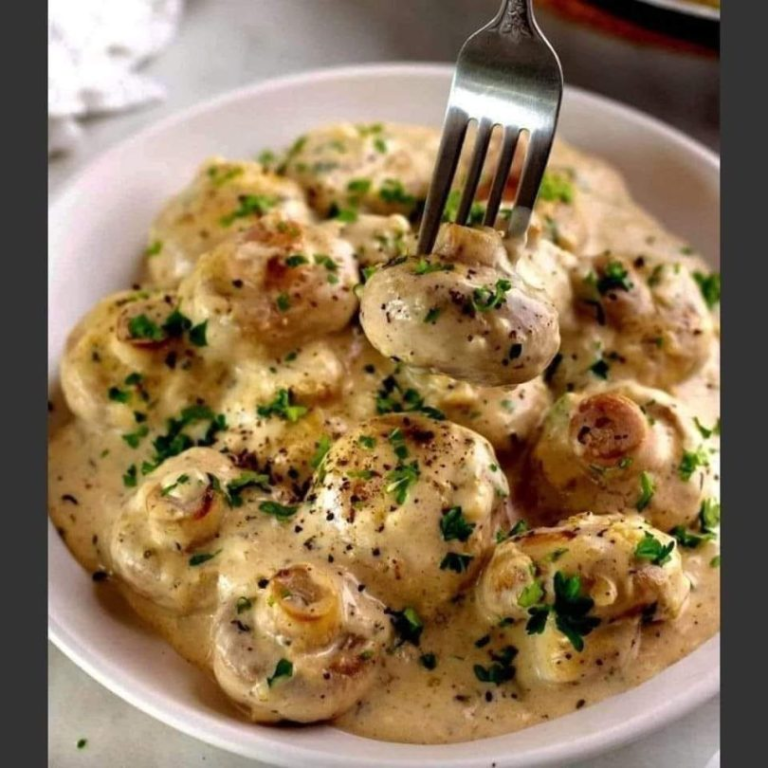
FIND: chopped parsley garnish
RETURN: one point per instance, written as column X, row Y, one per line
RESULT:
column 451, row 209
column 709, row 285
column 715, row 561
column 428, row 661
column 284, row 668
column 280, row 511
column 400, row 480
column 707, row 432
column 709, row 515
column 283, row 407
column 154, row 248
column 345, row 215
column 392, row 399
column 689, row 539
column 197, row 334
column 323, row 446
column 283, row 302
column 246, row 479
column 367, row 442
column 691, row 461
column 432, row 315
column 424, row 267
column 485, row 299
column 129, row 478
column 501, row 670
column 141, row 327
column 519, row 527
column 454, row 526
column 202, row 557
column 134, row 438
column 600, row 368
column 408, row 625
column 625, row 462
column 532, row 594
column 266, row 157
column 180, row 480
column 393, row 191
column 556, row 188
column 82, row 743
column 650, row 548
column 176, row 324
column 456, row 562
column 359, row 186
column 296, row 260
column 249, row 205
column 118, row 395
column 614, row 277
column 647, row 489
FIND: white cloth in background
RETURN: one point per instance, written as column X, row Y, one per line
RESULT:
column 94, row 46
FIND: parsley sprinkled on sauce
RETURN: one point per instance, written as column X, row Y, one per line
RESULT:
column 407, row 625
column 393, row 191
column 283, row 302
column 600, row 368
column 451, row 209
column 650, row 548
column 531, row 595
column 197, row 334
column 614, row 277
column 246, row 479
column 556, row 188
column 691, row 461
column 283, row 407
column 284, row 668
column 82, row 743
column 570, row 610
column 428, row 661
column 380, row 145
column 454, row 561
column 250, row 205
column 707, row 432
column 647, row 489
column 344, row 215
column 359, row 186
column 202, row 557
column 454, row 526
column 391, row 398
column 486, row 298
column 709, row 515
column 296, row 260
column 176, row 324
column 424, row 267
column 519, row 527
column 154, row 248
column 715, row 561
column 690, row 539
column 367, row 442
column 141, row 327
column 625, row 462
column 501, row 670
column 266, row 157
column 432, row 315
column 709, row 285
column 118, row 395
column 180, row 480
column 134, row 438
column 280, row 511
column 129, row 478
column 323, row 446
column 400, row 480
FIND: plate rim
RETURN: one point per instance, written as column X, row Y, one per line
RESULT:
column 199, row 725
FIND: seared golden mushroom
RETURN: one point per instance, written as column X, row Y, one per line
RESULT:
column 224, row 198
column 380, row 168
column 580, row 590
column 410, row 505
column 462, row 311
column 625, row 448
column 164, row 543
column 305, row 648
column 133, row 348
column 642, row 319
column 277, row 285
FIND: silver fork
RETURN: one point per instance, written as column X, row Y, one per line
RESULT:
column 507, row 74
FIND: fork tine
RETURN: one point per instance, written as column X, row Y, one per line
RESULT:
column 537, row 156
column 507, row 155
column 479, row 152
column 454, row 132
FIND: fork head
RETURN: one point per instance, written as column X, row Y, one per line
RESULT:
column 507, row 75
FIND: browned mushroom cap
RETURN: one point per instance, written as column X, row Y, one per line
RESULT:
column 608, row 426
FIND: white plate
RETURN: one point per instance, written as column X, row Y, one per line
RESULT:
column 97, row 228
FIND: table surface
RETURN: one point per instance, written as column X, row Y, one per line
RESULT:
column 223, row 44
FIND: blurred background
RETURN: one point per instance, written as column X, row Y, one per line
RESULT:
column 164, row 55
column 117, row 67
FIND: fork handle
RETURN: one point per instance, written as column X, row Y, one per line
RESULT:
column 515, row 18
